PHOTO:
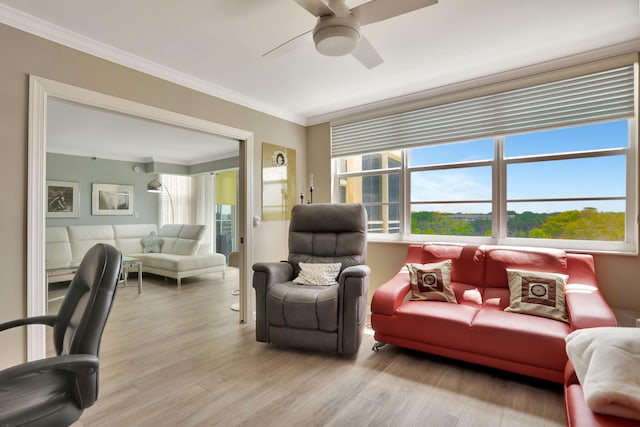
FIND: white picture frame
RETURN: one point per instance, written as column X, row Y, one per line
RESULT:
column 111, row 199
column 63, row 199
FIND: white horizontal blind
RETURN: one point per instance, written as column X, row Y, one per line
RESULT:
column 598, row 96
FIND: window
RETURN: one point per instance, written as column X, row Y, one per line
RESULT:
column 451, row 188
column 540, row 161
column 569, row 187
column 373, row 180
column 570, row 183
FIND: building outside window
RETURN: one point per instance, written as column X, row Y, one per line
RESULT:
column 373, row 180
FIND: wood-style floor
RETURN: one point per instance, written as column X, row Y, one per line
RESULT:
column 180, row 358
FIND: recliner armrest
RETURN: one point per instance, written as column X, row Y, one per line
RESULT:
column 266, row 274
column 274, row 272
column 354, row 277
column 356, row 271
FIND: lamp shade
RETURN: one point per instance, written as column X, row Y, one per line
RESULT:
column 154, row 186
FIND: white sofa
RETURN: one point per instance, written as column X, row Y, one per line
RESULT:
column 180, row 254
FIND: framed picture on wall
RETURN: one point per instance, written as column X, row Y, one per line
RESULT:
column 63, row 199
column 111, row 199
column 278, row 182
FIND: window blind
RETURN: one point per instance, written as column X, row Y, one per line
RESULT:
column 597, row 96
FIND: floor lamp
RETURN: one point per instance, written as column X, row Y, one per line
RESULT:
column 155, row 186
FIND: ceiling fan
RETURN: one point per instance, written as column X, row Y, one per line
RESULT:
column 337, row 31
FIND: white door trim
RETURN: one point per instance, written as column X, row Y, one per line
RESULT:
column 40, row 89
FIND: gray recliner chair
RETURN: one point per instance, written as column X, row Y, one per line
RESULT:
column 326, row 318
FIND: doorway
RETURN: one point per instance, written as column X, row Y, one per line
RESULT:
column 226, row 211
column 40, row 90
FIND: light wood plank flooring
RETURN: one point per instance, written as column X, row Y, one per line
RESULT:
column 180, row 358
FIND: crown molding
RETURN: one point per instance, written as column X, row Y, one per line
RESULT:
column 36, row 26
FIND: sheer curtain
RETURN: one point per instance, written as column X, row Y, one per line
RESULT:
column 203, row 209
column 180, row 193
column 192, row 198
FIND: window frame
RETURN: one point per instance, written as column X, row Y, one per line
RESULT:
column 500, row 202
column 337, row 177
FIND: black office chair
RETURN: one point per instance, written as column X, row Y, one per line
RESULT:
column 56, row 390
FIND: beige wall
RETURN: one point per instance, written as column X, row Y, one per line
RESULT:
column 319, row 161
column 24, row 54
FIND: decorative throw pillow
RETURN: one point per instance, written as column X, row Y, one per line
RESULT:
column 431, row 282
column 318, row 274
column 151, row 243
column 537, row 293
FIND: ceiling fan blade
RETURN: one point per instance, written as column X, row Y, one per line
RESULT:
column 366, row 53
column 287, row 46
column 315, row 7
column 379, row 10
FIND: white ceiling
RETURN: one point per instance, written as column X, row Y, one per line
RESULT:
column 80, row 130
column 215, row 46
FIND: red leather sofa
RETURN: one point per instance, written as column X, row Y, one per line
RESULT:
column 578, row 412
column 477, row 329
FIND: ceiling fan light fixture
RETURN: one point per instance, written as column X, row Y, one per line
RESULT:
column 336, row 36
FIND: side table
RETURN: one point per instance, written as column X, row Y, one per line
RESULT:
column 130, row 262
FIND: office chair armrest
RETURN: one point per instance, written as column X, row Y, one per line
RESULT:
column 78, row 364
column 356, row 271
column 36, row 320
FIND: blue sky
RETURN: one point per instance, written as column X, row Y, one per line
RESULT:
column 587, row 177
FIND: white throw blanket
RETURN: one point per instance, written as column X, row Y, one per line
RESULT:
column 607, row 363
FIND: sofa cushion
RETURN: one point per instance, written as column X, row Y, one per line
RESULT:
column 496, row 298
column 438, row 323
column 467, row 261
column 320, row 274
column 499, row 258
column 538, row 293
column 530, row 340
column 58, row 246
column 181, row 239
column 179, row 263
column 468, row 294
column 431, row 282
column 84, row 237
column 128, row 236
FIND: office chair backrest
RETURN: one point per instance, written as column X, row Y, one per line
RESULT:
column 324, row 233
column 83, row 314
